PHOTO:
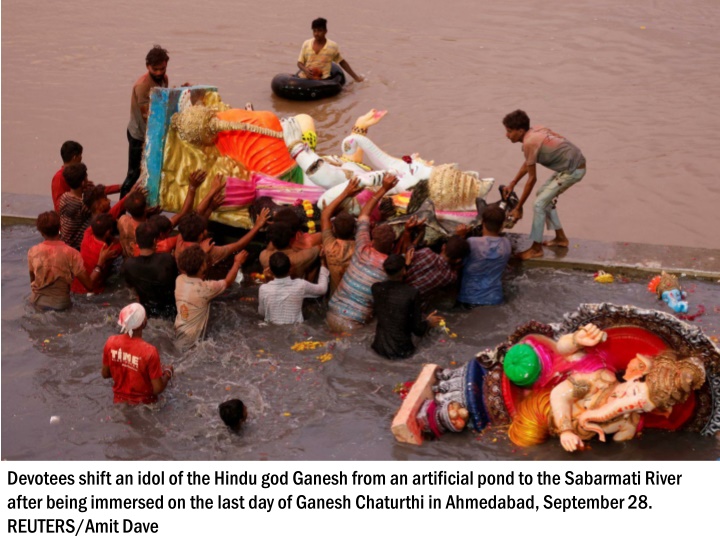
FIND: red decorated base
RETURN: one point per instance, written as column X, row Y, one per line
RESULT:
column 622, row 345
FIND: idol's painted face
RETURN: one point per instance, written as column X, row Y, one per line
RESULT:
column 637, row 367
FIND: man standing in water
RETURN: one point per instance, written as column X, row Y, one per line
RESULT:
column 132, row 363
column 156, row 62
column 543, row 146
column 318, row 54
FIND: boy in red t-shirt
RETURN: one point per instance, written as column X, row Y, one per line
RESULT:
column 132, row 363
column 71, row 152
column 101, row 236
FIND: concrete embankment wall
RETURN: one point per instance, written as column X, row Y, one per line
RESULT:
column 613, row 257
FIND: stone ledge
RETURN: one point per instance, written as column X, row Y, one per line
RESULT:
column 614, row 257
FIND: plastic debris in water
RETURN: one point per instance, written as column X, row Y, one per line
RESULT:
column 54, row 419
column 287, row 414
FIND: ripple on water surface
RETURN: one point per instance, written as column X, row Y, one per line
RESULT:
column 300, row 407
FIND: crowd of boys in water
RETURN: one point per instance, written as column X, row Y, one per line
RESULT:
column 358, row 263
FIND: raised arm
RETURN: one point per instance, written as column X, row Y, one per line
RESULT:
column 389, row 182
column 587, row 336
column 160, row 384
column 353, row 188
column 531, row 171
column 561, row 400
column 210, row 201
column 413, row 227
column 195, row 180
column 240, row 258
column 314, row 290
column 259, row 224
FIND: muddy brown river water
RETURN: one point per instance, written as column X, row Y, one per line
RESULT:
column 632, row 84
column 301, row 408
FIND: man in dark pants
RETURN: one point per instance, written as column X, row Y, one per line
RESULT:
column 397, row 306
column 156, row 62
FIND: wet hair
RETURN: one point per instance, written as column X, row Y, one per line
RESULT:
column 135, row 204
column 191, row 260
column 517, row 120
column 156, row 55
column 163, row 223
column 48, row 224
column 383, row 238
column 394, row 264
column 69, row 150
column 101, row 224
column 319, row 23
column 344, row 226
column 493, row 218
column 280, row 264
column 75, row 175
column 456, row 248
column 233, row 412
column 146, row 235
column 94, row 195
column 192, row 226
column 288, row 215
column 280, row 234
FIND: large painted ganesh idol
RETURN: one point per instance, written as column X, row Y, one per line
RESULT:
column 605, row 371
column 261, row 155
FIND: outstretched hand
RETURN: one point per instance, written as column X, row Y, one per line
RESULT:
column 217, row 200
column 434, row 319
column 389, row 181
column 241, row 257
column 414, row 223
column 409, row 254
column 570, row 441
column 262, row 218
column 369, row 119
column 196, row 178
column 217, row 183
column 107, row 254
column 589, row 336
column 207, row 245
column 353, row 187
column 138, row 187
column 462, row 230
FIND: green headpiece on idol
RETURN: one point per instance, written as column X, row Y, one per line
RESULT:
column 522, row 365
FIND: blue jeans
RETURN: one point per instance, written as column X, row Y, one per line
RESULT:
column 544, row 207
